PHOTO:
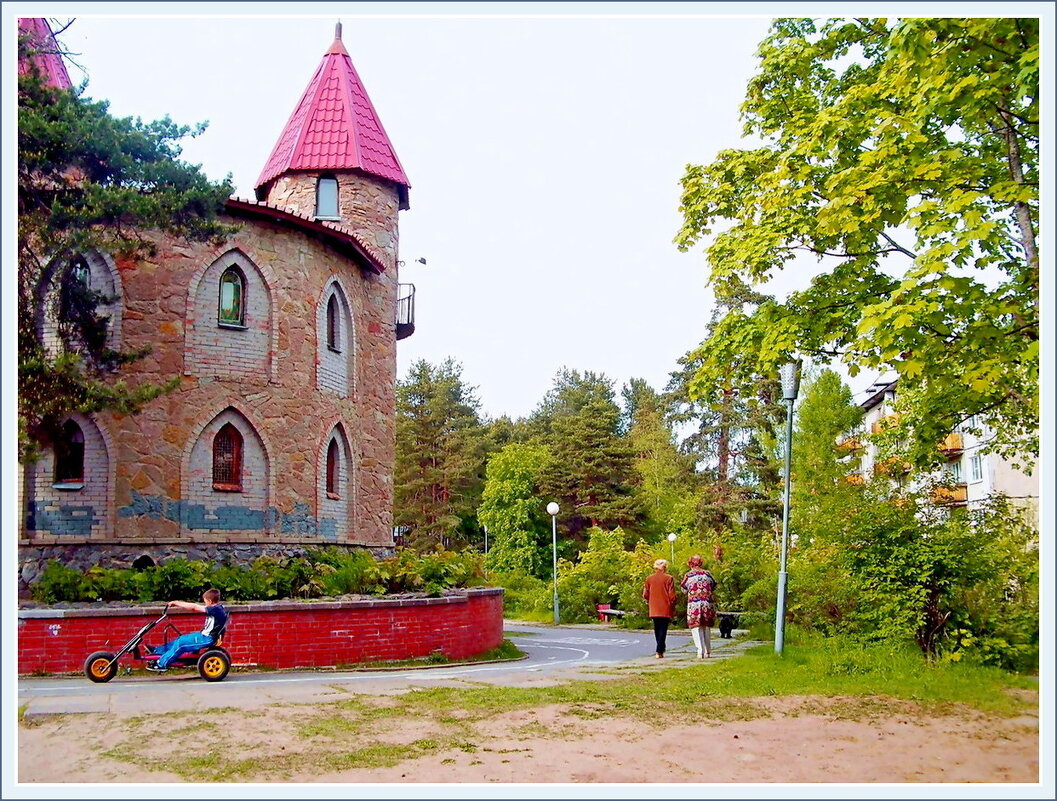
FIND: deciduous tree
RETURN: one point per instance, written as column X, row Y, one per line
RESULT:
column 902, row 154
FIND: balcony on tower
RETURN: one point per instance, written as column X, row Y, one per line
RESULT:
column 405, row 311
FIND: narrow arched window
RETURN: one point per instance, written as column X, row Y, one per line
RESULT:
column 333, row 324
column 227, row 459
column 69, row 454
column 333, row 470
column 327, row 197
column 81, row 272
column 232, row 309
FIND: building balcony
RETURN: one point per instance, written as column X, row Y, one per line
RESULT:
column 892, row 467
column 405, row 311
column 855, row 479
column 885, row 423
column 952, row 444
column 849, row 445
column 954, row 495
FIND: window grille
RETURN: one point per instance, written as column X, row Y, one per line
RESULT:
column 227, row 459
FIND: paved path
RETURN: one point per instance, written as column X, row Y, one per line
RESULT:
column 555, row 654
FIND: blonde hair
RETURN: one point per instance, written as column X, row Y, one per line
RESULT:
column 660, row 563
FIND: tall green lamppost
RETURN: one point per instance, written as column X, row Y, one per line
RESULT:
column 790, row 374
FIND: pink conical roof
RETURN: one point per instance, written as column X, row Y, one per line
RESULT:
column 335, row 127
column 48, row 60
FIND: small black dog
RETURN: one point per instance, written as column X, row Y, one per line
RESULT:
column 726, row 625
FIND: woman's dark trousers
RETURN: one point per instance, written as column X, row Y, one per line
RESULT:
column 660, row 631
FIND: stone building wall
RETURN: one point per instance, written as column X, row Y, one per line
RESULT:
column 153, row 497
column 369, row 206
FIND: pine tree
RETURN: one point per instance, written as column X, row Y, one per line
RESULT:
column 88, row 182
column 441, row 447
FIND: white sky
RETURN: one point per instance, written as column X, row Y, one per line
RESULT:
column 544, row 156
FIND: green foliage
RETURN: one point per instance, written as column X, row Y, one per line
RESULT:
column 590, row 474
column 88, row 182
column 441, row 449
column 824, row 416
column 512, row 511
column 58, row 582
column 320, row 572
column 525, row 597
column 875, row 131
column 666, row 484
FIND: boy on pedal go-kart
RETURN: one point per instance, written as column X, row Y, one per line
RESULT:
column 216, row 621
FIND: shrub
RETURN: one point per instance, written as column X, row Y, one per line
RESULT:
column 59, row 583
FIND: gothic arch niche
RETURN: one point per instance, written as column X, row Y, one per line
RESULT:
column 98, row 272
column 336, row 341
column 229, row 331
column 336, row 486
column 226, row 486
column 68, row 491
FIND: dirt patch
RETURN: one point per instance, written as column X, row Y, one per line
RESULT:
column 785, row 740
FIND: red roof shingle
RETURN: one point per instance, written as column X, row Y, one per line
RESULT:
column 335, row 127
column 47, row 58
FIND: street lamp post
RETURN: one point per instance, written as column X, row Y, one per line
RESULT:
column 552, row 510
column 671, row 539
column 486, row 539
column 790, row 387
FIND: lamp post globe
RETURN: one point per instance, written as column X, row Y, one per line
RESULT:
column 552, row 510
column 672, row 538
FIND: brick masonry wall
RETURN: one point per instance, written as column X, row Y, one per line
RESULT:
column 74, row 511
column 336, row 366
column 239, row 353
column 279, row 634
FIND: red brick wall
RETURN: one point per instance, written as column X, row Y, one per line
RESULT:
column 280, row 634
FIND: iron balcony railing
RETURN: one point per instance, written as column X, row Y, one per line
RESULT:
column 405, row 311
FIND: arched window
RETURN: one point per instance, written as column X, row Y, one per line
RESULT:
column 333, row 470
column 69, row 454
column 327, row 197
column 227, row 459
column 81, row 272
column 232, row 309
column 333, row 324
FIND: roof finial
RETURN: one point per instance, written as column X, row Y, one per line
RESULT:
column 337, row 30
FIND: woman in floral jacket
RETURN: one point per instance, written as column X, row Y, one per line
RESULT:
column 700, row 607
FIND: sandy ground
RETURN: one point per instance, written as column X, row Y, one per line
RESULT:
column 786, row 740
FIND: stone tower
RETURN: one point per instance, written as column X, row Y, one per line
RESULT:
column 281, row 434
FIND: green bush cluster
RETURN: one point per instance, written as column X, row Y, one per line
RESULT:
column 321, row 572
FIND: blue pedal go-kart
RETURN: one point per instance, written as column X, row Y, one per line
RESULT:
column 213, row 661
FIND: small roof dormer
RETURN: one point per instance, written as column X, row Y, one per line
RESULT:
column 335, row 128
column 45, row 55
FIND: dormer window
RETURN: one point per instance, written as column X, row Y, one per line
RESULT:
column 327, row 198
column 232, row 311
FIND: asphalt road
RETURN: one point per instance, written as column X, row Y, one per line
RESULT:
column 553, row 653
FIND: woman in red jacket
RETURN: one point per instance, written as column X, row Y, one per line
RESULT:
column 659, row 593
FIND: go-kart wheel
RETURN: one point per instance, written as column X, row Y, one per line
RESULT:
column 214, row 664
column 100, row 667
